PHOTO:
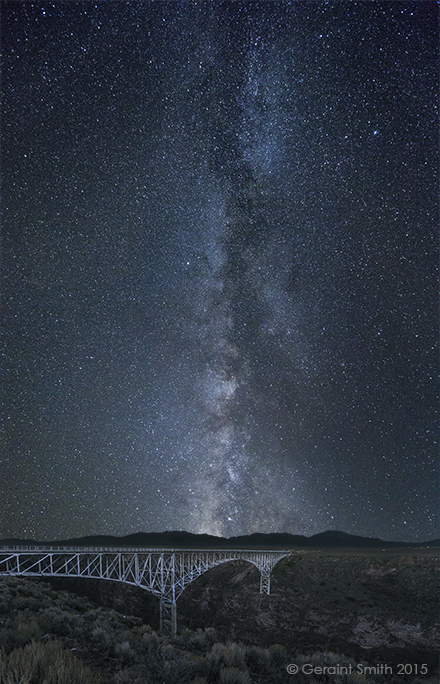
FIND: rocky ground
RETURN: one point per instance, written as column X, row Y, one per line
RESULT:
column 379, row 607
column 383, row 603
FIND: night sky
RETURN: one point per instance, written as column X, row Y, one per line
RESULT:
column 219, row 252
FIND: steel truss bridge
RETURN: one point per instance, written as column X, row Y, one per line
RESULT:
column 163, row 572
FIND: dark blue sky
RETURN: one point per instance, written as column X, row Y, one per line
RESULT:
column 220, row 259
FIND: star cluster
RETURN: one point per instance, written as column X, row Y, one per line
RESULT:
column 220, row 268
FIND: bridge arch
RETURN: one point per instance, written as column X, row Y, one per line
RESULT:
column 162, row 572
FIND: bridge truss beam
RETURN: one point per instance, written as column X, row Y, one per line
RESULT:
column 163, row 572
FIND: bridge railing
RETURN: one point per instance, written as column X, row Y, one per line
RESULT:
column 85, row 549
column 131, row 549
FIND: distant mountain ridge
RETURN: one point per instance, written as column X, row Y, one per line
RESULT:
column 274, row 540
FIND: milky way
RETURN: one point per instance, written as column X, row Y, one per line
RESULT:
column 220, row 263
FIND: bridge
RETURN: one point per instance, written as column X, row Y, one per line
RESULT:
column 163, row 572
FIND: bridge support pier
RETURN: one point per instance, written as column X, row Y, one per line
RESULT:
column 168, row 618
column 264, row 581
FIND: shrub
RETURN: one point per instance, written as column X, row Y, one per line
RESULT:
column 101, row 639
column 153, row 653
column 277, row 654
column 151, row 641
column 232, row 675
column 123, row 652
column 183, row 670
column 61, row 622
column 49, row 663
column 130, row 676
column 227, row 656
column 19, row 632
column 26, row 630
column 201, row 640
column 257, row 660
column 5, row 602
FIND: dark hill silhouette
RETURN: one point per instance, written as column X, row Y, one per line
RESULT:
column 178, row 539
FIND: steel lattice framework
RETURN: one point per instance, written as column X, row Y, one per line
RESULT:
column 163, row 572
